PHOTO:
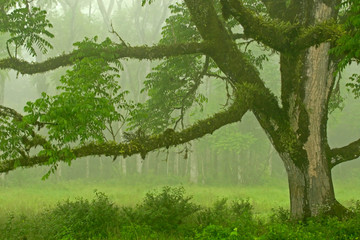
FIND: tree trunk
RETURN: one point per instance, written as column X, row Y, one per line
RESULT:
column 87, row 167
column 309, row 173
column 270, row 161
column 2, row 98
column 2, row 89
column 101, row 167
column 311, row 191
column 59, row 172
column 123, row 166
column 307, row 81
column 194, row 173
column 240, row 178
column 139, row 164
column 176, row 162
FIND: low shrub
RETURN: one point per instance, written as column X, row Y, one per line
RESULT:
column 81, row 219
column 162, row 211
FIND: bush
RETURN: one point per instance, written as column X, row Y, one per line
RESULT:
column 280, row 215
column 81, row 219
column 222, row 214
column 164, row 211
column 238, row 215
column 16, row 227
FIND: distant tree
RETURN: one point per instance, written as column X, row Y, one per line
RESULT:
column 200, row 39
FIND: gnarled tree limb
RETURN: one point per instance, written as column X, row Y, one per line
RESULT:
column 115, row 52
column 145, row 144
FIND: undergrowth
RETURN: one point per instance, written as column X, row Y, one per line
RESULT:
column 170, row 214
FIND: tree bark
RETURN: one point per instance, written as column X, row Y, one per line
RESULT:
column 307, row 81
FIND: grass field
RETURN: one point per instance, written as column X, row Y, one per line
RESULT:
column 77, row 209
column 34, row 195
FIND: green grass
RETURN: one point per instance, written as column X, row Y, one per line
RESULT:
column 31, row 212
column 35, row 195
column 39, row 194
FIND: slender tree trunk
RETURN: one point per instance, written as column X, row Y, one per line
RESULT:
column 240, row 178
column 2, row 90
column 176, row 162
column 194, row 173
column 2, row 98
column 123, row 166
column 139, row 164
column 270, row 161
column 101, row 167
column 87, row 167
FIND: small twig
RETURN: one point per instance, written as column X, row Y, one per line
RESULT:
column 247, row 44
column 8, row 50
column 118, row 36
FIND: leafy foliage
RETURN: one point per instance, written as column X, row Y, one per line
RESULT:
column 26, row 26
column 348, row 46
column 354, row 85
column 90, row 107
column 172, row 86
column 89, row 102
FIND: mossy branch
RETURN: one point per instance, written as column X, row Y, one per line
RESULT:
column 344, row 154
column 140, row 146
column 272, row 33
column 116, row 52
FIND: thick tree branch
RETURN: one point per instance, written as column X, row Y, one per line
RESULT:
column 143, row 145
column 344, row 154
column 272, row 33
column 115, row 52
column 235, row 65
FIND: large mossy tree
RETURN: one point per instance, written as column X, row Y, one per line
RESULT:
column 315, row 40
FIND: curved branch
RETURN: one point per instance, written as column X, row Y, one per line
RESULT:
column 344, row 154
column 143, row 145
column 141, row 52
